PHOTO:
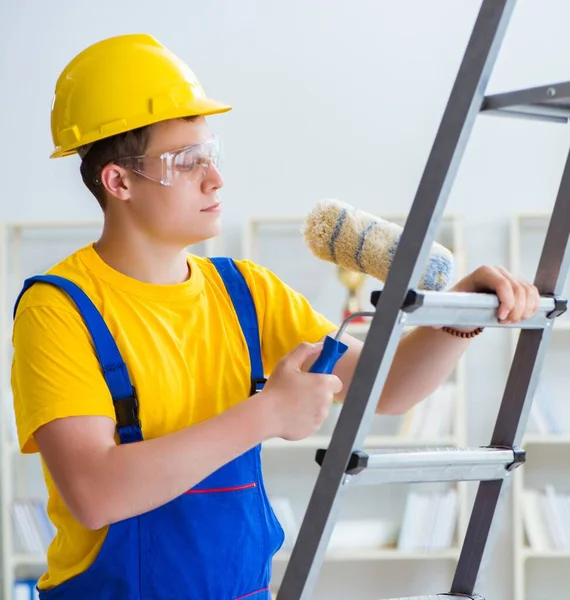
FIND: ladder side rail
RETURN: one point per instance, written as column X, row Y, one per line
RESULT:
column 519, row 391
column 465, row 101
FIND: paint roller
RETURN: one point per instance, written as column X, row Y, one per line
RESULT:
column 354, row 239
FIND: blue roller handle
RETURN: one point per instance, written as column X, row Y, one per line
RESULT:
column 331, row 352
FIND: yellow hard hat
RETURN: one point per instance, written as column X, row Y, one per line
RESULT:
column 119, row 84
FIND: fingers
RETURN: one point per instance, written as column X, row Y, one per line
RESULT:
column 533, row 299
column 506, row 294
column 518, row 299
column 514, row 305
column 335, row 383
column 302, row 352
column 328, row 382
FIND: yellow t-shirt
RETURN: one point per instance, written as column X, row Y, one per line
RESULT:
column 183, row 347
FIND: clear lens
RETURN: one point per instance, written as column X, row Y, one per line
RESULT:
column 192, row 163
column 181, row 166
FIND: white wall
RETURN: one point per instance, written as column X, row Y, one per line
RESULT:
column 331, row 98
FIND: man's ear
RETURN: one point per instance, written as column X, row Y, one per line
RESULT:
column 116, row 181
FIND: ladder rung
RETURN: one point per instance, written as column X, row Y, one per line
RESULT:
column 545, row 103
column 469, row 309
column 407, row 465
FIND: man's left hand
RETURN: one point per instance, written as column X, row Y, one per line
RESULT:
column 518, row 299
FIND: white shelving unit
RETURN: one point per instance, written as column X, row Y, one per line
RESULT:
column 378, row 563
column 540, row 565
column 28, row 248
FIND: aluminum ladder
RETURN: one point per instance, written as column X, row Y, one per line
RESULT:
column 398, row 305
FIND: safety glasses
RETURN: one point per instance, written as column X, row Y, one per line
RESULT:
column 176, row 167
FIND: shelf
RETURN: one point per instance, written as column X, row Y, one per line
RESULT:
column 379, row 441
column 284, row 454
column 546, row 440
column 527, row 237
column 29, row 560
column 380, row 554
column 545, row 554
column 544, row 103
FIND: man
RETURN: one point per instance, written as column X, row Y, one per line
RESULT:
column 136, row 364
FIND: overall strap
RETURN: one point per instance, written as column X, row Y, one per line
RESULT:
column 114, row 368
column 245, row 308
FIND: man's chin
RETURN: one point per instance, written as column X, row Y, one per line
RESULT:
column 204, row 236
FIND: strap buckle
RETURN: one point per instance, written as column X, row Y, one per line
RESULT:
column 257, row 385
column 127, row 411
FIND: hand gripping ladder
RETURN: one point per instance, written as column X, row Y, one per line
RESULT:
column 343, row 463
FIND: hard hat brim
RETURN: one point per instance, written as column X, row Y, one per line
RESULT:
column 200, row 107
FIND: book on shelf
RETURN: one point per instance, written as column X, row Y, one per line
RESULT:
column 544, row 419
column 32, row 527
column 546, row 518
column 429, row 520
column 428, row 524
column 347, row 534
column 431, row 418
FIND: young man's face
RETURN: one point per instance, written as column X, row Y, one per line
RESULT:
column 188, row 211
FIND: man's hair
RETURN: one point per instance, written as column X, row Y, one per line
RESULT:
column 99, row 154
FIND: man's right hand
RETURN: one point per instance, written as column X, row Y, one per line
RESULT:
column 296, row 402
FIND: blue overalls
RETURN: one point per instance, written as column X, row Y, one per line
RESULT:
column 217, row 540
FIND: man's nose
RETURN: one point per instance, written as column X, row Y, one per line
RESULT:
column 213, row 179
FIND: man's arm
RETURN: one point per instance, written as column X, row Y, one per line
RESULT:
column 423, row 360
column 426, row 356
column 64, row 410
column 102, row 483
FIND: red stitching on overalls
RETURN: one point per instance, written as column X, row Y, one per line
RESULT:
column 265, row 589
column 227, row 489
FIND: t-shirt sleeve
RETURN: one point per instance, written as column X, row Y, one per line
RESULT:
column 55, row 371
column 285, row 316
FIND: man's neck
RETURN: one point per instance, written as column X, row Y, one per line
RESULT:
column 147, row 262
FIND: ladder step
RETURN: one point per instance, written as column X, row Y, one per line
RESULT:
column 469, row 310
column 544, row 103
column 407, row 465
